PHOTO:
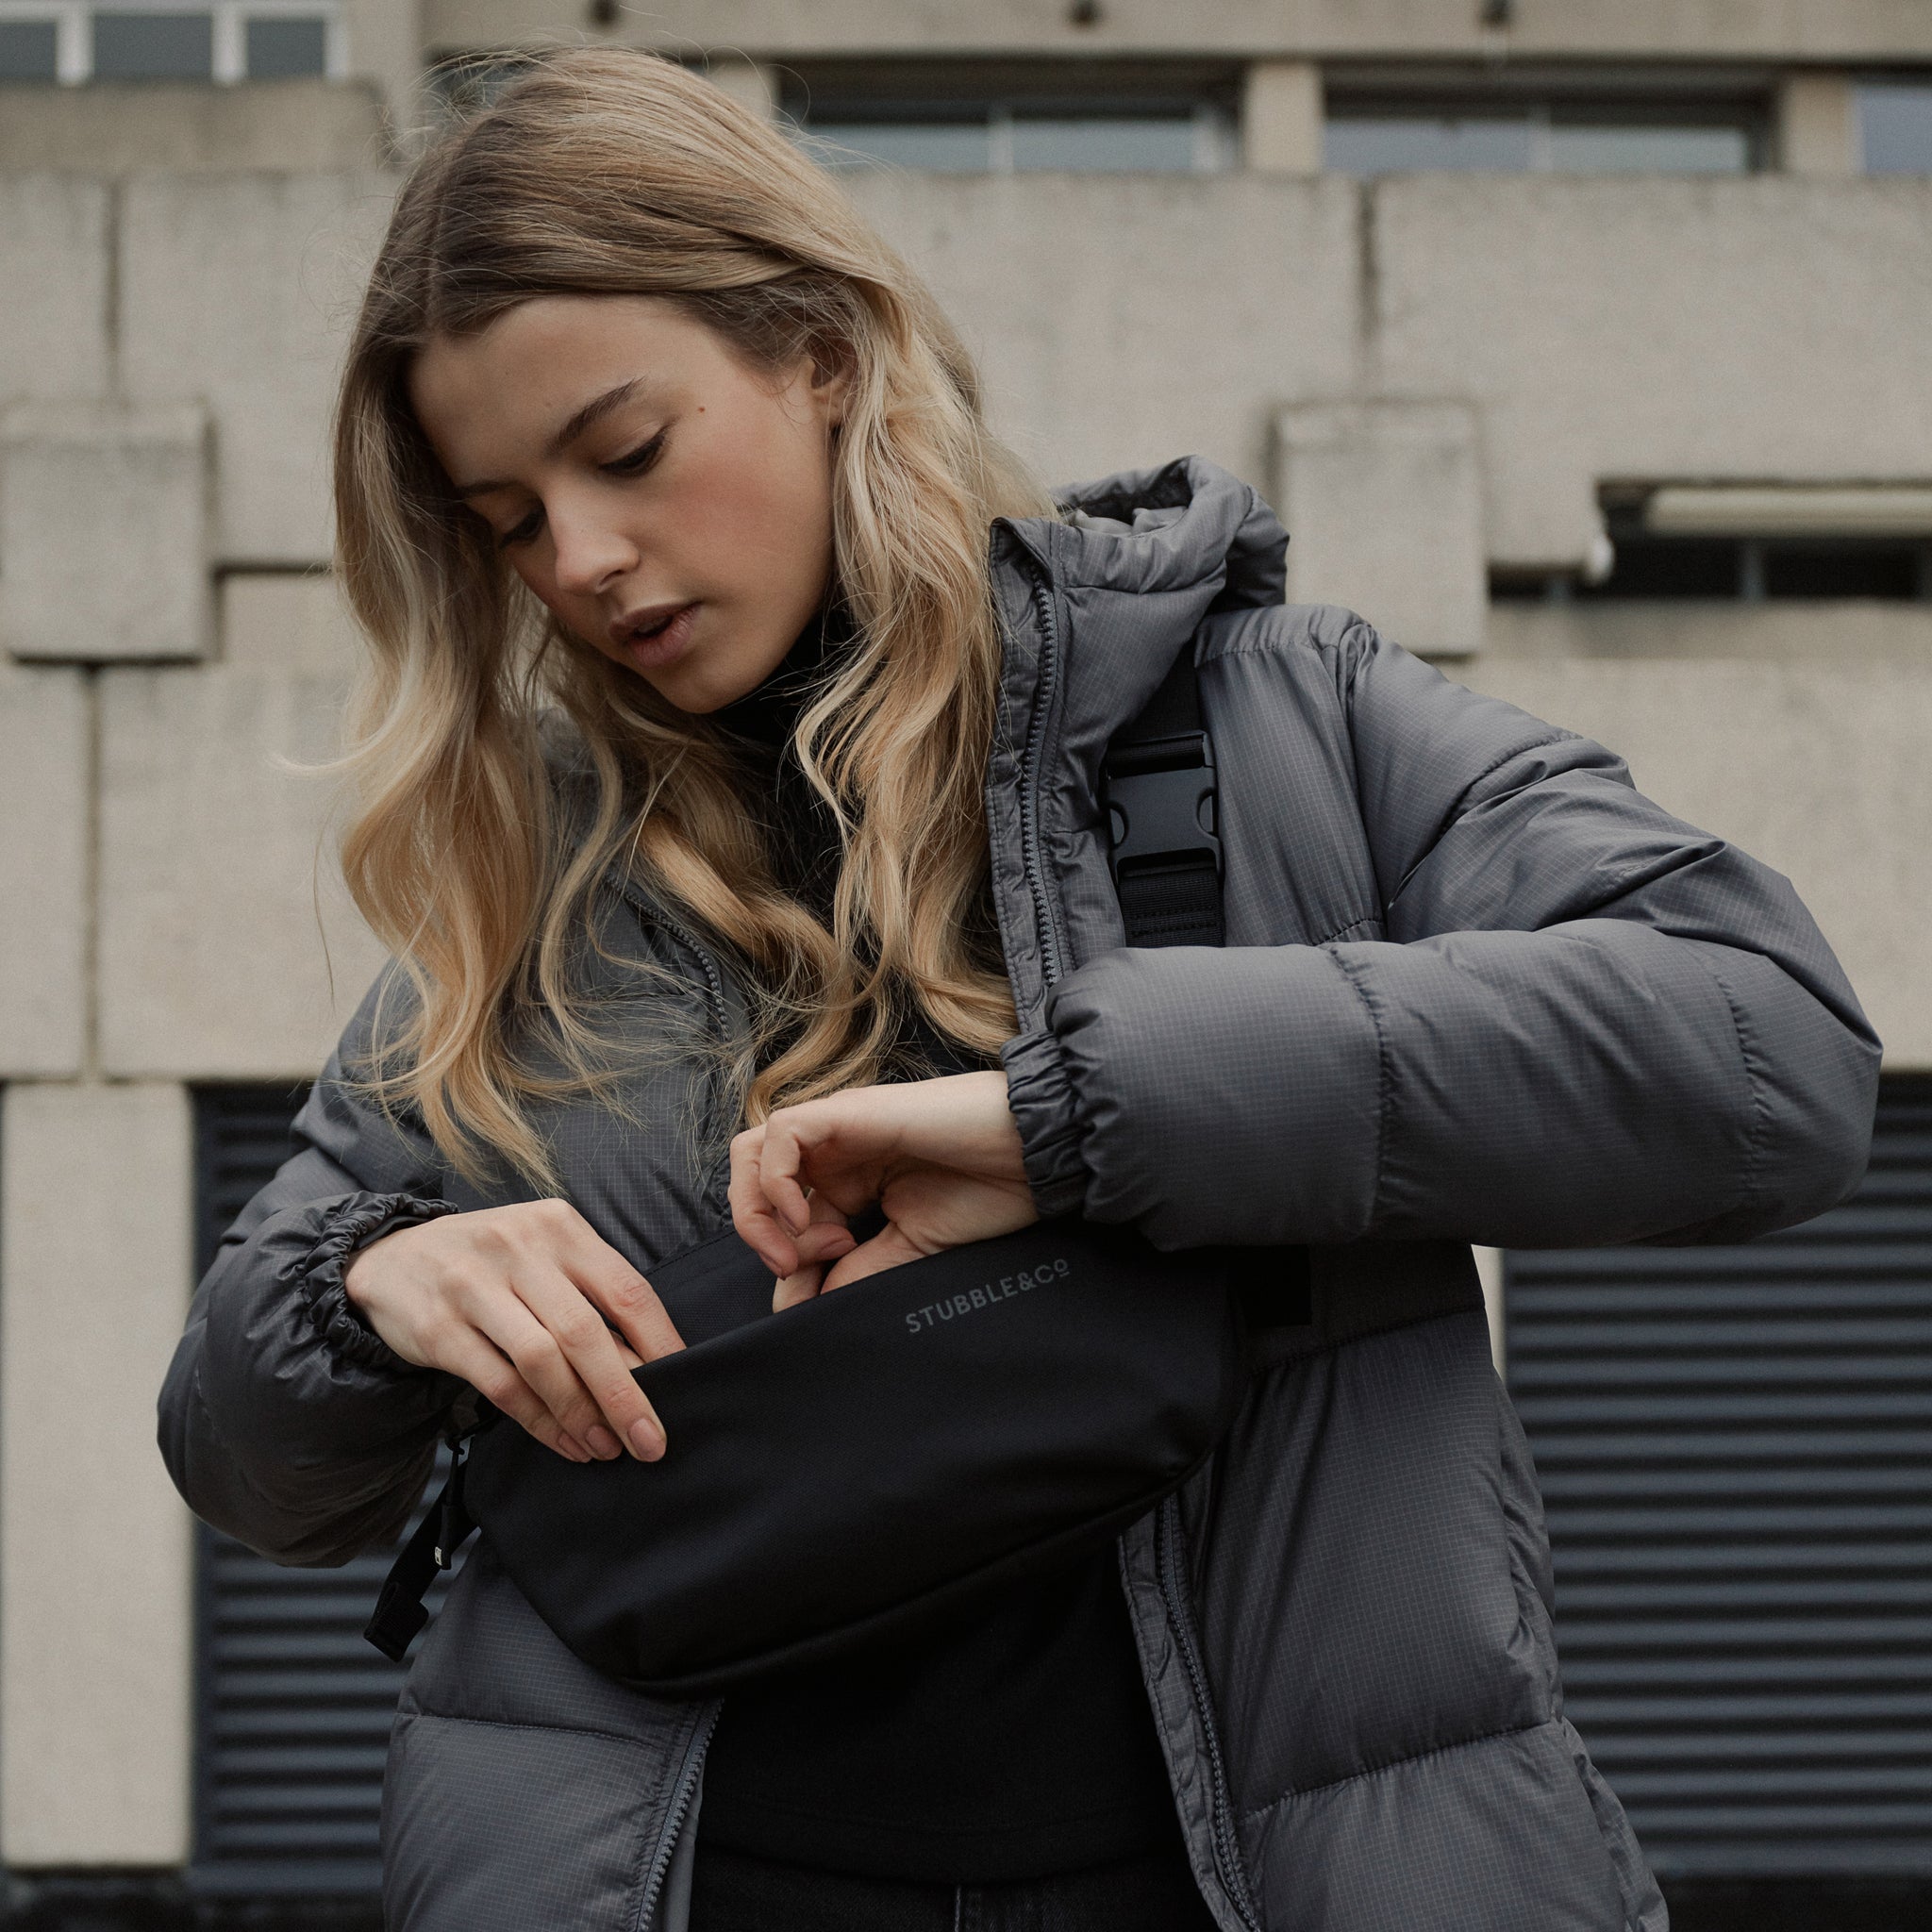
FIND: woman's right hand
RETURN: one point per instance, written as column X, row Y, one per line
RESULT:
column 521, row 1303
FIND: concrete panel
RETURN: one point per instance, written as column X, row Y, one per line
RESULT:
column 1122, row 320
column 227, row 947
column 109, row 127
column 256, row 331
column 1814, row 29
column 1384, row 501
column 44, row 778
column 103, row 532
column 96, row 1585
column 54, row 267
column 1281, row 117
column 1712, row 329
column 1818, row 124
column 1818, row 768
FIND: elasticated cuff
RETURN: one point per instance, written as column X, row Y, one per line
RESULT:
column 366, row 1218
column 1042, row 1100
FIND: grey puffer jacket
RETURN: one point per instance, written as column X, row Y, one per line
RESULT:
column 1475, row 990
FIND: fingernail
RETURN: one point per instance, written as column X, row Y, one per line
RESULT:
column 573, row 1449
column 646, row 1441
column 603, row 1444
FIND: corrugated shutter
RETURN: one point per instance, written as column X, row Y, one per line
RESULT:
column 1735, row 1446
column 293, row 1707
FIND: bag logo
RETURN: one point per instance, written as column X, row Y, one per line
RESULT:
column 1004, row 1288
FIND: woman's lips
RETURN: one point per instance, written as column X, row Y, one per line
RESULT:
column 649, row 649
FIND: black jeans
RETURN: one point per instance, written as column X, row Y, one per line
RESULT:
column 734, row 1894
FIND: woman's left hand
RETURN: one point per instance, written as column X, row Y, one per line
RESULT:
column 940, row 1157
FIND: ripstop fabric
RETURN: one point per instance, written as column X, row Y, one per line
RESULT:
column 1475, row 989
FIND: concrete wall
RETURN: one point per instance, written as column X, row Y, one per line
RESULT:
column 1123, row 320
column 1462, row 363
column 1600, row 330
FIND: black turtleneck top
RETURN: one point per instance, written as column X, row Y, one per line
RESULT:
column 1015, row 1741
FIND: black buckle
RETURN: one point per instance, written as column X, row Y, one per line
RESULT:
column 1164, row 806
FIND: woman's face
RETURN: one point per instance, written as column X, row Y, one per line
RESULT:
column 670, row 502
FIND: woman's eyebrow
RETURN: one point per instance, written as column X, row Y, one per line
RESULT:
column 594, row 412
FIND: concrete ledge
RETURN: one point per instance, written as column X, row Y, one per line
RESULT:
column 1404, row 29
column 1847, row 633
column 110, row 127
column 96, row 1584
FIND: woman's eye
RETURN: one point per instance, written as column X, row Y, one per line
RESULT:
column 523, row 532
column 638, row 459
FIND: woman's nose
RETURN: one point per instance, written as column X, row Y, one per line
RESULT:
column 589, row 555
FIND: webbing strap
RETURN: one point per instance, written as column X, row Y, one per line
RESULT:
column 446, row 1527
column 1159, row 787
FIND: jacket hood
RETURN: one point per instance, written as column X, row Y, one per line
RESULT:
column 1097, row 605
column 1188, row 529
column 1137, row 562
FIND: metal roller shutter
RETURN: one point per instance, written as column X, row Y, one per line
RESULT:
column 293, row 1707
column 1735, row 1446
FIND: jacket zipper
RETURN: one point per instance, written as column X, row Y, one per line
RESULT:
column 714, row 984
column 1167, row 1563
column 1166, row 1523
column 687, row 1776
column 692, row 1767
column 1051, row 963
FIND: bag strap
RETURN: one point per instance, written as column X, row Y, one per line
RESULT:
column 446, row 1527
column 1162, row 801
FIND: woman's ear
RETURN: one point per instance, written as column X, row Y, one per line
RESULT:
column 831, row 384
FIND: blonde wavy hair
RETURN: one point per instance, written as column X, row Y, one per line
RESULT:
column 606, row 173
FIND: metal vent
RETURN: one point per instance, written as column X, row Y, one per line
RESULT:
column 293, row 1707
column 1736, row 1451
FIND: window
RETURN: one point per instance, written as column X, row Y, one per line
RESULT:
column 1549, row 120
column 1749, row 546
column 1003, row 139
column 154, row 46
column 1895, row 127
column 1542, row 140
column 29, row 50
column 73, row 41
column 970, row 118
column 284, row 47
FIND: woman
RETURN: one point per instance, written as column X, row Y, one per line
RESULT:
column 728, row 772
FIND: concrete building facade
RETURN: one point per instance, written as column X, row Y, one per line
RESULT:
column 1477, row 393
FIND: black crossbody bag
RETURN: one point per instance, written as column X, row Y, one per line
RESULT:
column 862, row 1464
